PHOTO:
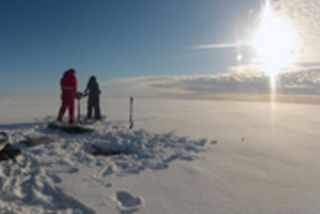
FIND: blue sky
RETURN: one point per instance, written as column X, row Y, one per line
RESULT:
column 113, row 39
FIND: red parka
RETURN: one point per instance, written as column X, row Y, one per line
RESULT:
column 69, row 84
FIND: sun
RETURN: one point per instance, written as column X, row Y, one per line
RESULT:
column 275, row 42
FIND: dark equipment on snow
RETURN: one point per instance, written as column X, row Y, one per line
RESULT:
column 97, row 151
column 4, row 139
column 7, row 151
column 131, row 113
column 77, row 129
column 80, row 95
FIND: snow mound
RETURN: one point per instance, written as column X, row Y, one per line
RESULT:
column 133, row 152
column 33, row 184
column 29, row 187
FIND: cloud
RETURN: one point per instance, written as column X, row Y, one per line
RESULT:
column 239, row 80
column 220, row 46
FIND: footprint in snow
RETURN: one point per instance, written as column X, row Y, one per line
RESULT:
column 128, row 203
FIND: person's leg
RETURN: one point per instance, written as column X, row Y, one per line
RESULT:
column 97, row 114
column 62, row 109
column 89, row 108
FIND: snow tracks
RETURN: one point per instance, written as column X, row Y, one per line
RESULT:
column 35, row 183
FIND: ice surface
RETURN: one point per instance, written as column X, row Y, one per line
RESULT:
column 183, row 156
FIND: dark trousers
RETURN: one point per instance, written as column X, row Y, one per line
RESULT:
column 94, row 105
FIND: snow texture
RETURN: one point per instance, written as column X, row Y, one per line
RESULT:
column 32, row 184
column 221, row 158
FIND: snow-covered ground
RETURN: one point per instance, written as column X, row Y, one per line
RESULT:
column 183, row 156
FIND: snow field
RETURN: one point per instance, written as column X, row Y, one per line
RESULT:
column 189, row 156
column 33, row 184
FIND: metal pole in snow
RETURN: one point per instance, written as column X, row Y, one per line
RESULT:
column 78, row 98
column 79, row 110
column 131, row 113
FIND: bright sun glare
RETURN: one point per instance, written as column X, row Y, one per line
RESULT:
column 275, row 42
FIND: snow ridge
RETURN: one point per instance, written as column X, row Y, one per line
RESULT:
column 33, row 184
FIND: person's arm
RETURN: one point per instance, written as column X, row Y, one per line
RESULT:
column 86, row 91
column 98, row 89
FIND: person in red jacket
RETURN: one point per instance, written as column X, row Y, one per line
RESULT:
column 68, row 84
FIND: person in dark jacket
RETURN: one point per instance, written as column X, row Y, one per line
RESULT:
column 93, row 92
column 68, row 84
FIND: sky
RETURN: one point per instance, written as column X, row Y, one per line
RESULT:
column 112, row 39
column 121, row 42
